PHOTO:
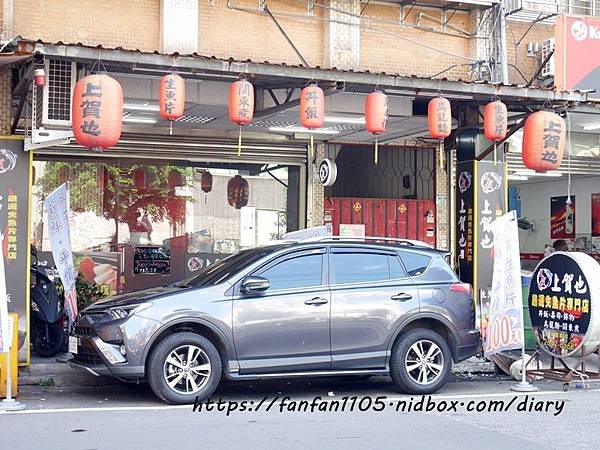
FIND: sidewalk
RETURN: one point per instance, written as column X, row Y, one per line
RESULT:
column 49, row 372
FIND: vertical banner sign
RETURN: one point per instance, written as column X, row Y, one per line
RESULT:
column 505, row 322
column 14, row 227
column 562, row 218
column 465, row 201
column 57, row 208
column 596, row 216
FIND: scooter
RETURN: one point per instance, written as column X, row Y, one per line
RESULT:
column 47, row 318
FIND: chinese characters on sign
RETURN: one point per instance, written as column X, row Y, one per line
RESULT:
column 560, row 304
column 91, row 105
column 170, row 96
column 57, row 207
column 442, row 115
column 464, row 215
column 551, row 139
column 244, row 100
column 12, row 207
column 505, row 322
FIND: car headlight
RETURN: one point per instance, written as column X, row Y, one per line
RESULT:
column 121, row 312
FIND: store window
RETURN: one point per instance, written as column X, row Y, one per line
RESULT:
column 138, row 224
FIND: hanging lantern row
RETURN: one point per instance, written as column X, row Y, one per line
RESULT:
column 238, row 192
column 439, row 118
column 495, row 121
column 543, row 141
column 376, row 116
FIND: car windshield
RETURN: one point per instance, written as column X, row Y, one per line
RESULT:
column 224, row 269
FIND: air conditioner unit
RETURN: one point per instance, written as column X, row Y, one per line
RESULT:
column 57, row 92
column 549, row 69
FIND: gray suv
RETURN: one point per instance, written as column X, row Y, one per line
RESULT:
column 303, row 309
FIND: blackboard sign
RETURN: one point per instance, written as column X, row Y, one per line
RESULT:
column 151, row 260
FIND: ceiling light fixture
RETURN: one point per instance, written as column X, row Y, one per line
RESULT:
column 591, row 126
column 302, row 130
column 349, row 120
column 139, row 120
column 141, row 107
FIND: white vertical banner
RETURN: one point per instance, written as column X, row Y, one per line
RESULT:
column 5, row 335
column 57, row 208
column 505, row 323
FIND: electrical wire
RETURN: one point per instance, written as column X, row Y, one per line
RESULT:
column 379, row 30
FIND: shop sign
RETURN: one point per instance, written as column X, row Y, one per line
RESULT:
column 327, row 172
column 464, row 215
column 14, row 197
column 562, row 217
column 560, row 304
column 577, row 38
column 505, row 322
column 595, row 216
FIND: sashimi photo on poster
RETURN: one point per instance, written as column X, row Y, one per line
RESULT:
column 562, row 217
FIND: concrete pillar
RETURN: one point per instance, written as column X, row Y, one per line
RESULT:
column 316, row 191
column 342, row 34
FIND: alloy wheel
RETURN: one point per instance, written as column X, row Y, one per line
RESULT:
column 424, row 362
column 187, row 369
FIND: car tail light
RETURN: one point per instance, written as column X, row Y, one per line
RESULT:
column 463, row 288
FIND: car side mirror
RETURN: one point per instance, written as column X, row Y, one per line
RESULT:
column 251, row 285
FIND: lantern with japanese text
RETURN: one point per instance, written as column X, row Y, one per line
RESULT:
column 312, row 110
column 543, row 141
column 171, row 98
column 495, row 121
column 376, row 116
column 439, row 118
column 97, row 112
column 206, row 181
column 241, row 105
column 238, row 192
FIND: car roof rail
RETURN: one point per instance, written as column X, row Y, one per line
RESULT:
column 409, row 242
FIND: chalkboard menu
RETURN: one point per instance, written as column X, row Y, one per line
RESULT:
column 151, row 260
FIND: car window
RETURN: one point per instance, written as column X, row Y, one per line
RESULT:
column 300, row 272
column 415, row 263
column 359, row 267
column 396, row 269
column 439, row 270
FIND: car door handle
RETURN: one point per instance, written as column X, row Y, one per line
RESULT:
column 316, row 301
column 402, row 297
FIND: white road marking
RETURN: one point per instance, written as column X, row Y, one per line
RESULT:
column 324, row 399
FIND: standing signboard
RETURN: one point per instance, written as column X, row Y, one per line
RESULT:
column 481, row 196
column 505, row 321
column 15, row 189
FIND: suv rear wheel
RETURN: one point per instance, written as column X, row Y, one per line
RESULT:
column 420, row 362
column 184, row 366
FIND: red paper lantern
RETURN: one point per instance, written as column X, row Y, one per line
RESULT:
column 97, row 112
column 238, row 192
column 171, row 97
column 495, row 121
column 376, row 116
column 544, row 141
column 241, row 102
column 312, row 107
column 439, row 117
column 206, row 181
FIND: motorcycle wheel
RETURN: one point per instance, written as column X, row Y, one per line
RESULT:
column 50, row 346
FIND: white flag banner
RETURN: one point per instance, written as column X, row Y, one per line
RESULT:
column 57, row 208
column 5, row 335
column 505, row 323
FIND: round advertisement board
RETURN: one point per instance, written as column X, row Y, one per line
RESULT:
column 564, row 303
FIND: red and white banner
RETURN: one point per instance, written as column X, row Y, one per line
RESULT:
column 505, row 323
column 57, row 207
column 577, row 54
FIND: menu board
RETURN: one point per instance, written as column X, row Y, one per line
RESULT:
column 150, row 260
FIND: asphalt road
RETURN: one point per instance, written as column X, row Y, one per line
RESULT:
column 129, row 417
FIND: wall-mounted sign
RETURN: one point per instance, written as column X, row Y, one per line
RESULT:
column 577, row 38
column 596, row 215
column 352, row 229
column 151, row 260
column 327, row 172
column 562, row 218
column 561, row 302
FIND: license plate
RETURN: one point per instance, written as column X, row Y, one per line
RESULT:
column 73, row 343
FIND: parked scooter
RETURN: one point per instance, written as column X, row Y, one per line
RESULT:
column 47, row 318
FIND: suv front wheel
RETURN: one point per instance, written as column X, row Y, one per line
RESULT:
column 420, row 362
column 184, row 366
